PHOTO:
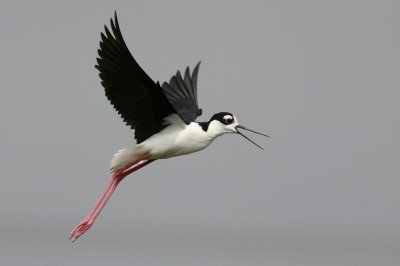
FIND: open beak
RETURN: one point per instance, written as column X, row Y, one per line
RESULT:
column 244, row 128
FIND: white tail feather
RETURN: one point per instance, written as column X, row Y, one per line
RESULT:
column 123, row 157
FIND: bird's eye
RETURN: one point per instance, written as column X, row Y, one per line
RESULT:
column 228, row 121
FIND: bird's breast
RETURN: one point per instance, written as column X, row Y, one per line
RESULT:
column 191, row 139
column 177, row 141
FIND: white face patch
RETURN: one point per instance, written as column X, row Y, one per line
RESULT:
column 228, row 119
column 225, row 124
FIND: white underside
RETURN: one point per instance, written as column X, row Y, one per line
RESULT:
column 175, row 140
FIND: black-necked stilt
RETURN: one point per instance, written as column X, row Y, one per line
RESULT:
column 163, row 117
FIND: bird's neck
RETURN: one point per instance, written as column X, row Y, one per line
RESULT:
column 204, row 125
column 211, row 129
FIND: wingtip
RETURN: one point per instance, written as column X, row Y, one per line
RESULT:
column 178, row 75
column 196, row 68
column 187, row 70
column 195, row 72
column 114, row 23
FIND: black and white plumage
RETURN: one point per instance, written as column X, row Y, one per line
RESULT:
column 137, row 98
column 181, row 92
column 163, row 117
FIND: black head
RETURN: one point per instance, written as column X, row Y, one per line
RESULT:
column 224, row 117
column 229, row 124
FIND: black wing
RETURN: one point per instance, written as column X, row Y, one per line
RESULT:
column 140, row 102
column 182, row 94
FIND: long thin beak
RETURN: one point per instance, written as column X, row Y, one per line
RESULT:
column 240, row 133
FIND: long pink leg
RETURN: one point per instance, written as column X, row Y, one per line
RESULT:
column 112, row 185
column 115, row 184
column 109, row 186
column 87, row 223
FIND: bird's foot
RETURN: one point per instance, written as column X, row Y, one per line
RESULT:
column 80, row 229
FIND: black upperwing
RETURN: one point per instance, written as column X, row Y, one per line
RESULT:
column 182, row 94
column 137, row 98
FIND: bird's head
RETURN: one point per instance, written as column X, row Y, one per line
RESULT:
column 224, row 122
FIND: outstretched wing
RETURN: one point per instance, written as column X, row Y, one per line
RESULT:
column 182, row 94
column 140, row 102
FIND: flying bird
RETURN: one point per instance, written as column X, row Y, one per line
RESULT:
column 162, row 116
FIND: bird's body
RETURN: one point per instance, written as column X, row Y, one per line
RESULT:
column 176, row 139
column 163, row 117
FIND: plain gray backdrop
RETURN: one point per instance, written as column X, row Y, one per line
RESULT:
column 321, row 77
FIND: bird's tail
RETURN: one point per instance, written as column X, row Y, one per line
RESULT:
column 124, row 157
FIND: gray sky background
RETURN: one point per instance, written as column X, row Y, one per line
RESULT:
column 321, row 77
